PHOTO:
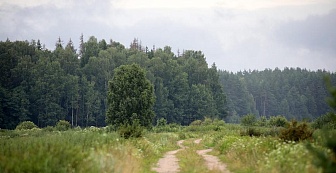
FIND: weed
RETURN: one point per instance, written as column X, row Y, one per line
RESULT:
column 296, row 132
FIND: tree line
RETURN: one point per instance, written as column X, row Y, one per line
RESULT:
column 292, row 92
column 45, row 86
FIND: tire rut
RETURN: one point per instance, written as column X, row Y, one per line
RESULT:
column 169, row 162
column 212, row 162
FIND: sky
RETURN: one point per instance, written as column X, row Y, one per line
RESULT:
column 236, row 35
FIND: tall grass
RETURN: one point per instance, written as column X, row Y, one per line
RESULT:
column 97, row 150
column 51, row 152
column 80, row 151
column 261, row 154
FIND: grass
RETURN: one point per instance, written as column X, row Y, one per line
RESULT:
column 96, row 150
column 262, row 154
column 80, row 151
column 190, row 161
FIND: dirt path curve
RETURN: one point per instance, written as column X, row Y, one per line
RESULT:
column 169, row 162
column 212, row 162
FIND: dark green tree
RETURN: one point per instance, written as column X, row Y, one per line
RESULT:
column 59, row 43
column 201, row 104
column 130, row 97
column 89, row 49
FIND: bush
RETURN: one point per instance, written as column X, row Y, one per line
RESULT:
column 63, row 125
column 110, row 129
column 262, row 121
column 278, row 121
column 325, row 121
column 134, row 130
column 273, row 131
column 218, row 122
column 207, row 121
column 196, row 123
column 161, row 122
column 324, row 159
column 182, row 135
column 248, row 120
column 26, row 125
column 49, row 128
column 296, row 132
column 250, row 132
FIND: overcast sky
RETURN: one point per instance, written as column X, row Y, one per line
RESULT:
column 236, row 35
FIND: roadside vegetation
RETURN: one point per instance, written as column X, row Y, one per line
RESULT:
column 105, row 150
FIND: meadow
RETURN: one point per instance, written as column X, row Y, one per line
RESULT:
column 103, row 150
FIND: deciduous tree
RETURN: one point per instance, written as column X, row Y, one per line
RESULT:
column 130, row 97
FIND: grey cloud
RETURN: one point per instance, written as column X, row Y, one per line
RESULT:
column 234, row 40
column 47, row 22
column 317, row 33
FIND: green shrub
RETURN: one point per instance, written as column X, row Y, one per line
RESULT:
column 174, row 125
column 325, row 121
column 248, row 120
column 250, row 131
column 323, row 159
column 296, row 132
column 278, row 121
column 218, row 122
column 217, row 128
column 63, row 125
column 273, row 131
column 161, row 122
column 196, row 123
column 262, row 121
column 134, row 130
column 182, row 135
column 49, row 128
column 207, row 121
column 26, row 125
column 110, row 128
column 327, row 159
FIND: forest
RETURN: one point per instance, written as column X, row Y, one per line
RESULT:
column 45, row 86
column 295, row 93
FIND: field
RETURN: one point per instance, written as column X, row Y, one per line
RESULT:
column 100, row 150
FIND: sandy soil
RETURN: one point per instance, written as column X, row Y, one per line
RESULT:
column 169, row 162
column 212, row 162
column 197, row 141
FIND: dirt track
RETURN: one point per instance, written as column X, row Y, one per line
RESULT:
column 169, row 163
column 212, row 162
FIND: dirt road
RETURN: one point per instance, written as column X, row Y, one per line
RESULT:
column 169, row 163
